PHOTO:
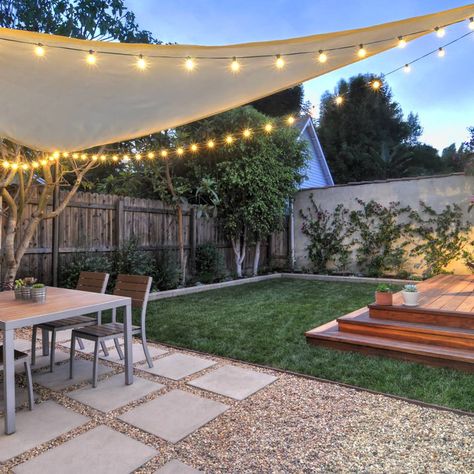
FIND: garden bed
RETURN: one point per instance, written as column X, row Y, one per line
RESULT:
column 265, row 322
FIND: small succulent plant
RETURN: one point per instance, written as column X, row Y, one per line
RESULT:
column 410, row 288
column 384, row 288
column 38, row 285
column 19, row 283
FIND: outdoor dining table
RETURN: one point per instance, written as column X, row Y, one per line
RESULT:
column 60, row 303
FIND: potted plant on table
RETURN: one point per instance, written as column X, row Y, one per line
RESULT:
column 384, row 295
column 19, row 284
column 410, row 295
column 38, row 293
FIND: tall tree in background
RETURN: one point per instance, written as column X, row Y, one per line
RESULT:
column 366, row 137
column 287, row 102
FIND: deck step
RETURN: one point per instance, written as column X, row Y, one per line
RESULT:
column 330, row 336
column 408, row 331
column 464, row 320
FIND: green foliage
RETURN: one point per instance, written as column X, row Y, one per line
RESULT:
column 287, row 102
column 130, row 260
column 443, row 236
column 379, row 230
column 19, row 283
column 168, row 273
column 383, row 288
column 327, row 234
column 88, row 262
column 38, row 285
column 209, row 264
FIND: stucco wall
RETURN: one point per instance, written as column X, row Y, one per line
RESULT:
column 435, row 191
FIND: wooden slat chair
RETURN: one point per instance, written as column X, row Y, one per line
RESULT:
column 29, row 382
column 137, row 288
column 95, row 282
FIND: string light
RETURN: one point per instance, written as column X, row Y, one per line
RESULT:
column 39, row 50
column 141, row 63
column 103, row 158
column 138, row 156
column 247, row 132
column 376, row 85
column 189, row 64
column 210, row 144
column 323, row 57
column 194, row 148
column 164, row 153
column 235, row 65
column 407, row 68
column 229, row 139
column 339, row 100
column 471, row 23
column 91, row 58
column 401, row 42
column 279, row 62
column 441, row 52
column 151, row 155
column 180, row 151
column 440, row 32
column 362, row 53
column 268, row 127
column 290, row 120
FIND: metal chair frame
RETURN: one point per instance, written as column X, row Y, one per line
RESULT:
column 85, row 283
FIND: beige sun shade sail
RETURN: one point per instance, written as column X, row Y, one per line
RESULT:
column 59, row 102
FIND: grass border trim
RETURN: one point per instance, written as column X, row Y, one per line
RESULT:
column 159, row 295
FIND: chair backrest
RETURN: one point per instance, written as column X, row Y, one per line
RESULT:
column 136, row 287
column 94, row 282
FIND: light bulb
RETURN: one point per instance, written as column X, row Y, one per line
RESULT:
column 14, row 166
column 235, row 65
column 150, row 155
column 44, row 162
column 471, row 23
column 6, row 164
column 229, row 139
column 401, row 42
column 246, row 133
column 280, row 62
column 65, row 154
column 34, row 164
column 138, row 156
column 75, row 156
column 210, row 144
column 164, row 153
column 56, row 155
column 407, row 68
column 189, row 64
column 91, row 58
column 290, row 120
column 39, row 50
column 141, row 63
column 95, row 157
column 323, row 57
column 126, row 158
column 103, row 157
column 376, row 85
column 440, row 32
column 194, row 147
column 115, row 158
column 180, row 151
column 24, row 166
column 362, row 53
column 441, row 52
column 339, row 100
column 268, row 127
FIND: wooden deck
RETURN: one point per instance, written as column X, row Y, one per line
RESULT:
column 439, row 331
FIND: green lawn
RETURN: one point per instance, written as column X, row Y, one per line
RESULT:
column 265, row 323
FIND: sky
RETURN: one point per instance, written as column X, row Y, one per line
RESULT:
column 441, row 91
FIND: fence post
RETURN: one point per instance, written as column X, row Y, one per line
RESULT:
column 55, row 233
column 192, row 239
column 119, row 222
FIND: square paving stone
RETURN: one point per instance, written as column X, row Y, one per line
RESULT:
column 174, row 415
column 233, row 382
column 101, row 450
column 47, row 421
column 43, row 361
column 137, row 354
column 176, row 467
column 178, row 366
column 112, row 393
column 59, row 379
column 21, row 396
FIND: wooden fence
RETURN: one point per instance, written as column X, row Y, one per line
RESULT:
column 101, row 223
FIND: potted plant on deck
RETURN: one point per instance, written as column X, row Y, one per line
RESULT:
column 384, row 295
column 38, row 293
column 410, row 295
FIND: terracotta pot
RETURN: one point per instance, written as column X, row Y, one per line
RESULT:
column 383, row 298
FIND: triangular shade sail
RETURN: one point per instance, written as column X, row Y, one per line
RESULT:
column 58, row 102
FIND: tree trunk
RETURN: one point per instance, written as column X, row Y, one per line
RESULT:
column 182, row 255
column 239, row 245
column 256, row 258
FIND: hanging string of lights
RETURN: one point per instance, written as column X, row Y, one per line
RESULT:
column 377, row 82
column 178, row 151
column 143, row 62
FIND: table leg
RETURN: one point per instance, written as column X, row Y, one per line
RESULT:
column 9, row 380
column 45, row 341
column 128, row 344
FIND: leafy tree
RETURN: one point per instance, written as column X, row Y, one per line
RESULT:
column 360, row 134
column 254, row 177
column 287, row 102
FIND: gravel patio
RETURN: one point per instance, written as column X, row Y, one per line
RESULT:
column 194, row 413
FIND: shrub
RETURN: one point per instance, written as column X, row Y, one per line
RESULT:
column 327, row 234
column 443, row 237
column 209, row 263
column 168, row 273
column 130, row 260
column 380, row 248
column 87, row 262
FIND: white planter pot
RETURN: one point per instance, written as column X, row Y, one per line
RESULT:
column 410, row 298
